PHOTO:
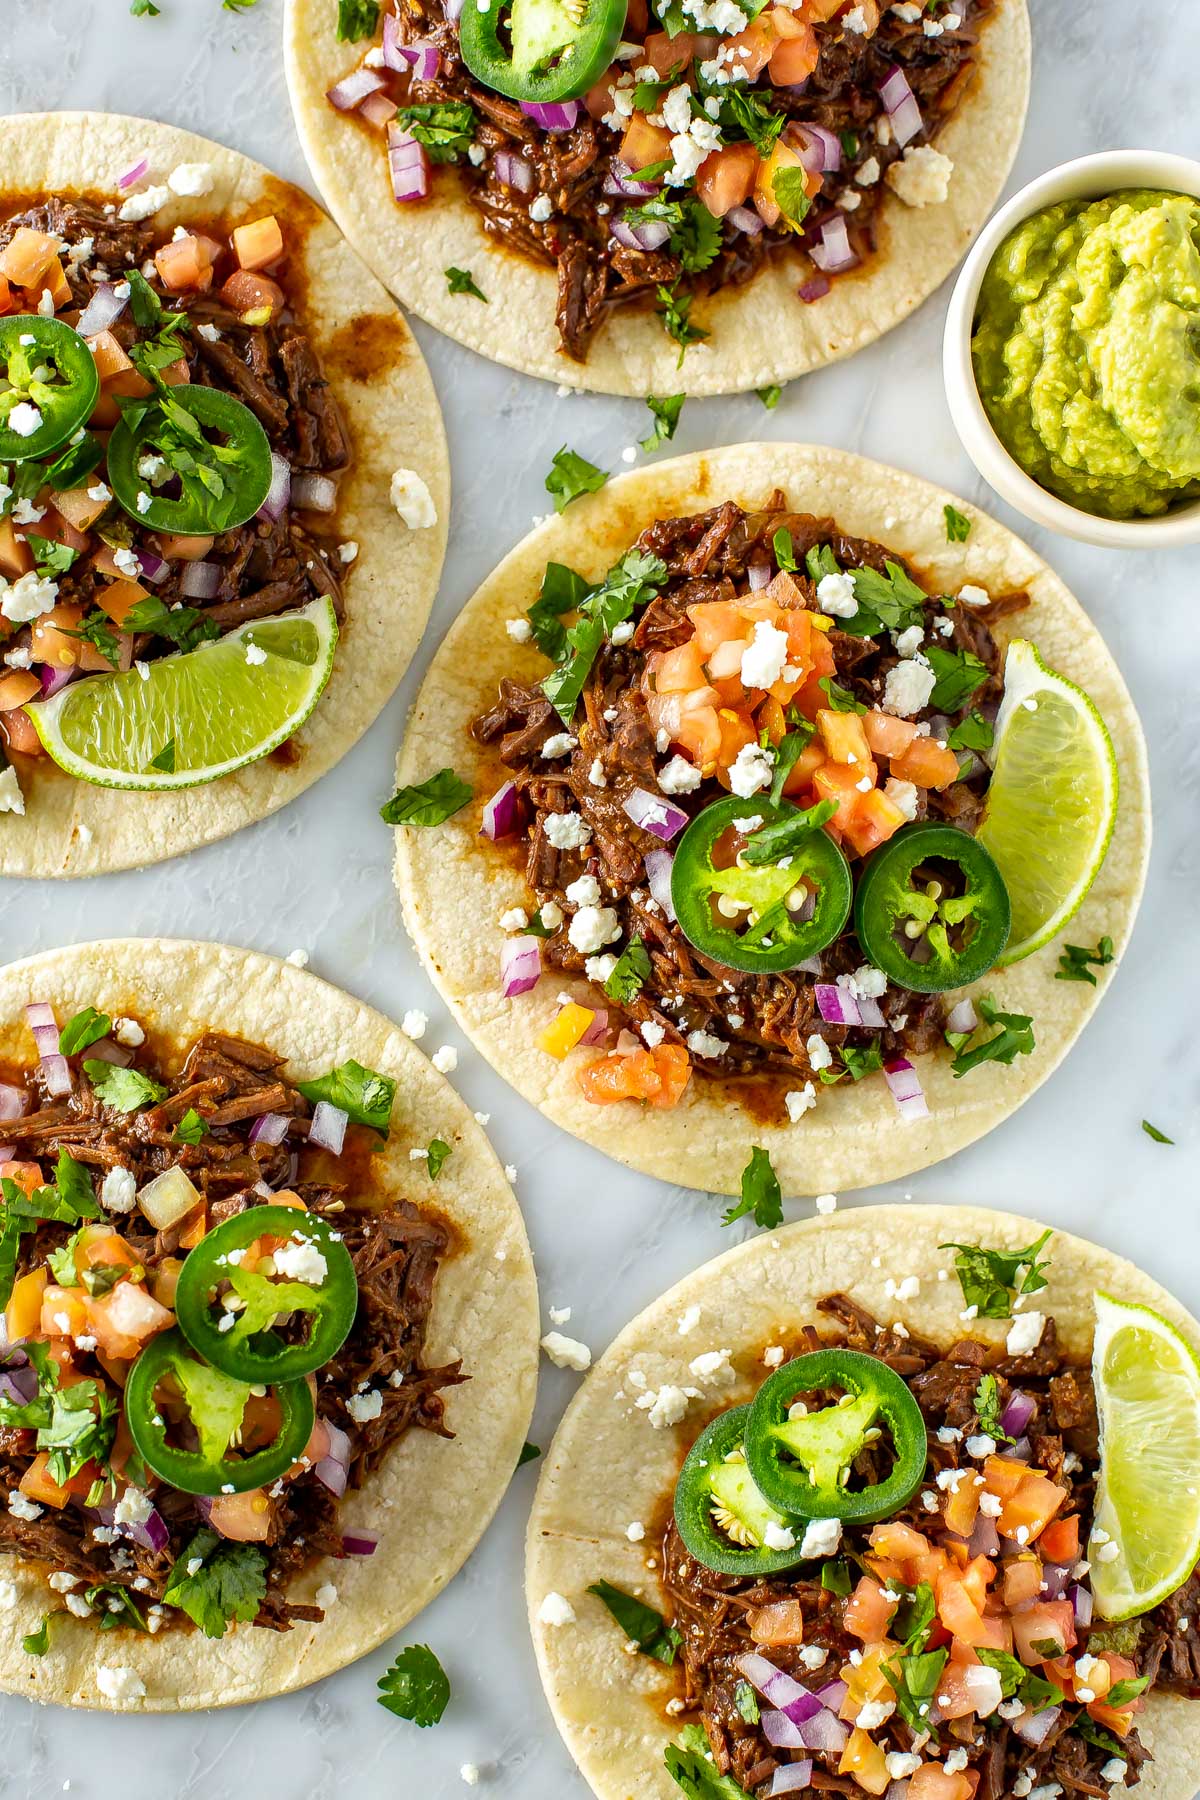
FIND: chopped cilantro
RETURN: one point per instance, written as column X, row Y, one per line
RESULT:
column 415, row 1687
column 430, row 802
column 746, row 1701
column 861, row 1062
column 629, row 584
column 836, row 1577
column 640, row 1623
column 445, row 127
column 914, row 1679
column 435, row 1156
column 1013, row 1038
column 1096, row 1734
column 191, row 1128
column 988, row 1409
column 787, row 754
column 674, row 309
column 1152, row 1131
column 36, row 1643
column 563, row 590
column 165, row 760
column 770, row 396
column 992, row 1279
column 140, row 9
column 185, row 625
column 790, row 188
column 124, row 1090
column 750, row 113
column 631, row 973
column 87, row 1027
column 839, row 698
column 461, row 281
column 1018, row 1681
column 958, row 526
column 363, row 1094
column 1124, row 1693
column 820, row 561
column 973, row 733
column 73, row 465
column 570, row 476
column 49, row 557
column 74, row 1186
column 529, row 1453
column 114, row 1605
column 690, row 1763
column 785, row 555
column 760, row 1193
column 666, row 413
column 771, row 842
column 356, row 19
column 1074, row 959
column 958, row 673
column 890, row 602
column 230, row 1583
column 96, row 629
column 914, row 1617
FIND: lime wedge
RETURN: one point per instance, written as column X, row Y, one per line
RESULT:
column 1148, row 1497
column 1052, row 800
column 196, row 715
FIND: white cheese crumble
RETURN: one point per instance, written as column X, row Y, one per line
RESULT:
column 118, row 1191
column 566, row 1352
column 679, row 776
column 922, row 178
column 519, row 630
column 255, row 655
column 821, row 1538
column 868, row 173
column 30, row 595
column 592, row 928
column 567, row 830
column 117, row 1681
column 302, row 1261
column 414, row 1024
column 541, row 209
column 799, row 1101
column 144, row 205
column 835, row 596
column 560, row 743
column 778, row 1537
column 752, row 770
column 11, row 798
column 763, row 661
column 190, row 180
column 974, row 596
column 445, row 1059
column 1025, row 1333
column 908, row 687
column 703, row 1043
column 363, row 1407
column 664, row 1408
column 556, row 1610
column 412, row 499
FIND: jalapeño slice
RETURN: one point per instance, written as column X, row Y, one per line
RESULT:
column 48, row 367
column 804, row 1463
column 721, row 1515
column 213, row 446
column 549, row 51
column 760, row 898
column 322, row 1297
column 932, row 910
column 169, row 1388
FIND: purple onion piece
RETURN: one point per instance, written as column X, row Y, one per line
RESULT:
column 659, row 864
column 780, row 1731
column 520, row 966
column 790, row 1778
column 14, row 1102
column 269, row 1128
column 500, row 814
column 655, row 814
column 333, row 1474
column 1014, row 1420
column 359, row 1544
column 837, row 1005
column 906, row 1090
column 328, row 1127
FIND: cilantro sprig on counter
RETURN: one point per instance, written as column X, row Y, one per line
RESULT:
column 761, row 1194
column 416, row 1686
column 572, row 475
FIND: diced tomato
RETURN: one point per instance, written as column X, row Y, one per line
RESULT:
column 1052, row 1622
column 38, row 1484
column 800, row 776
column 866, row 1679
column 932, row 1782
column 25, row 1175
column 843, row 736
column 926, row 763
column 16, row 558
column 867, row 1613
column 165, row 1279
column 16, row 687
column 598, row 99
column 955, row 1696
column 1022, row 1582
column 63, row 1311
column 1003, row 1477
column 780, row 1623
column 977, row 1577
column 23, row 1314
column 751, row 49
column 865, row 1760
column 125, row 1318
column 666, row 55
column 255, row 298
column 20, row 734
column 106, row 414
column 643, row 144
column 782, row 157
column 717, row 621
column 258, row 244
column 52, row 281
column 185, row 265
column 176, row 547
column 118, row 599
column 1059, row 1543
column 736, row 732
column 1119, row 1721
column 59, row 529
column 886, row 735
column 1031, row 1508
column 657, row 1076
column 114, row 368
column 27, row 256
column 897, row 1541
column 244, row 1517
column 679, row 671
column 838, row 782
column 797, row 53
column 817, row 11
column 957, row 1611
column 99, row 1246
column 725, row 178
column 962, row 1505
column 177, row 374
column 7, row 303
column 1115, row 1668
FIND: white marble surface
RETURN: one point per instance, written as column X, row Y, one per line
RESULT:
column 317, row 876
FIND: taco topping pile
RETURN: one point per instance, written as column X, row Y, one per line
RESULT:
column 213, row 1327
column 747, row 795
column 169, row 453
column 664, row 151
column 879, row 1576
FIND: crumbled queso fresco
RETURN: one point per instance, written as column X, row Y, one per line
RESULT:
column 412, row 499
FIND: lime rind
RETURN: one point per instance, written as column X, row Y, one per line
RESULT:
column 1052, row 801
column 1147, row 1381
column 223, row 705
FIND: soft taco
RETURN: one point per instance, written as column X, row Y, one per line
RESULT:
column 208, row 588
column 639, row 199
column 785, row 819
column 915, row 1521
column 270, row 1327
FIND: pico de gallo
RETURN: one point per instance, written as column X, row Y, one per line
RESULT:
column 169, row 447
column 661, row 151
column 213, row 1323
column 875, row 1579
column 747, row 795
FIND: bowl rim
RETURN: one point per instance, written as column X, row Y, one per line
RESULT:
column 1092, row 176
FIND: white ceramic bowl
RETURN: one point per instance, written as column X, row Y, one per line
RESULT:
column 1090, row 178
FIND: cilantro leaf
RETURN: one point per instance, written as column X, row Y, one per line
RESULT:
column 1074, row 959
column 356, row 19
column 992, row 1279
column 1152, row 1131
column 674, row 309
column 415, row 1687
column 988, row 1409
column 80, row 1429
column 430, row 802
column 165, row 760
column 890, row 602
column 563, row 590
column 96, row 629
column 570, row 476
column 185, row 625
column 839, row 698
column 1013, row 1038
column 666, row 413
column 640, row 1623
column 461, row 281
column 690, row 1763
column 365, row 1095
column 631, row 973
column 124, row 1090
column 1122, row 1693
column 861, row 1062
column 62, row 1263
column 913, row 1680
column 746, row 1701
column 435, row 1156
column 959, row 674
column 114, row 1606
column 73, row 465
column 785, row 556
column 529, row 1453
column 820, row 561
column 760, row 1193
column 74, row 1186
column 914, row 1617
column 836, row 1577
column 631, row 583
column 745, row 110
column 787, row 754
column 36, row 1643
column 770, row 396
column 445, row 127
column 958, row 526
column 87, row 1027
column 191, row 1128
column 974, row 733
column 49, row 557
column 230, row 1583
column 1016, row 1680
column 1096, row 1734
column 790, row 188
column 784, row 836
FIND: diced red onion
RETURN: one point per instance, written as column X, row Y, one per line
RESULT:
column 648, row 235
column 744, row 218
column 1056, row 1579
column 359, row 1544
column 896, row 1790
column 328, row 1126
column 514, row 170
column 820, row 149
column 393, row 47
column 201, row 580
column 963, row 1017
column 810, row 966
column 334, row 1474
column 780, row 1731
column 56, row 1070
column 837, row 1005
column 654, row 814
column 102, row 310
column 1021, row 1451
column 814, row 289
column 1021, row 1407
column 500, row 814
column 150, row 1533
column 423, row 58
column 152, row 567
column 792, row 1698
column 789, row 1778
column 409, row 165
column 349, row 93
column 315, row 493
column 620, row 180
column 378, row 110
column 269, row 1128
column 1081, row 1600
column 870, row 1011
column 833, row 1694
column 19, row 1384
column 833, row 253
column 520, row 966
column 54, row 680
column 1035, row 1728
column 659, row 864
column 760, row 576
column 825, row 1732
column 906, row 1090
column 557, row 115
column 902, row 108
column 134, row 173
column 597, row 1031
column 262, row 1190
column 108, row 1051
column 279, row 492
column 14, row 1102
column 203, row 1506
column 985, row 1538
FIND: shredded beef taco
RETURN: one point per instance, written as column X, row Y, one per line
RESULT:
column 636, row 198
column 765, row 782
column 224, row 490
column 897, row 1503
column 270, row 1328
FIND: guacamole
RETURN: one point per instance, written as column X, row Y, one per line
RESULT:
column 1087, row 350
